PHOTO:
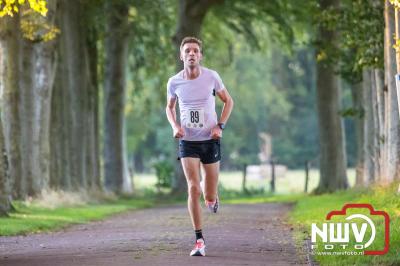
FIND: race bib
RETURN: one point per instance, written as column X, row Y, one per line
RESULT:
column 195, row 118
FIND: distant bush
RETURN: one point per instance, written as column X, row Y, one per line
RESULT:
column 164, row 171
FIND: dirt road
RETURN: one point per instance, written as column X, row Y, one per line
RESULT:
column 237, row 235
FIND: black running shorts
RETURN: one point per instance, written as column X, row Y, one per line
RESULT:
column 209, row 151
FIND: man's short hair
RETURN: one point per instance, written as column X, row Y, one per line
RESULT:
column 192, row 40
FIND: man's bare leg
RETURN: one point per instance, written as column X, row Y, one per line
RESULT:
column 211, row 172
column 191, row 168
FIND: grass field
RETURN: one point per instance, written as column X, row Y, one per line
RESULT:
column 293, row 182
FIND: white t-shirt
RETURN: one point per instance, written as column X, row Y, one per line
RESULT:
column 196, row 101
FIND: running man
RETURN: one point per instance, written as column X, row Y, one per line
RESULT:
column 199, row 130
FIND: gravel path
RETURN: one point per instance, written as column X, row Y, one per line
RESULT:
column 238, row 235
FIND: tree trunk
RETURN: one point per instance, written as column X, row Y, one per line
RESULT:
column 190, row 20
column 93, row 111
column 43, row 87
column 380, row 123
column 116, row 47
column 387, row 55
column 61, row 129
column 43, row 76
column 59, row 176
column 393, row 131
column 10, row 41
column 397, row 26
column 357, row 97
column 26, row 112
column 375, row 112
column 369, row 124
column 60, row 125
column 331, row 128
column 75, row 59
column 5, row 189
column 397, row 35
column 127, row 182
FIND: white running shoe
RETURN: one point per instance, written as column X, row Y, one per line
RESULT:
column 213, row 205
column 199, row 248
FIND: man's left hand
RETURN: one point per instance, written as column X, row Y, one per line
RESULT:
column 216, row 132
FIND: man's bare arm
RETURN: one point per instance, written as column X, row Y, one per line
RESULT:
column 228, row 105
column 226, row 98
column 170, row 111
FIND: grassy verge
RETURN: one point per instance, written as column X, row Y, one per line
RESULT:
column 313, row 209
column 33, row 218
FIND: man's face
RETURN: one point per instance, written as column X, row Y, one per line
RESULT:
column 191, row 54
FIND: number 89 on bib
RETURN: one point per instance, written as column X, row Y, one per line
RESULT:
column 195, row 118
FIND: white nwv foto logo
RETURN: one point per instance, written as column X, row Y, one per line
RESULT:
column 340, row 232
column 360, row 226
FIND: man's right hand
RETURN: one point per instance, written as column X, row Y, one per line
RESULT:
column 178, row 132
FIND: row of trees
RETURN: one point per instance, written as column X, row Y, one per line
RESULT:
column 70, row 80
column 375, row 97
column 355, row 46
column 50, row 104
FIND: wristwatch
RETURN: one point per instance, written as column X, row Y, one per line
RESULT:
column 221, row 126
